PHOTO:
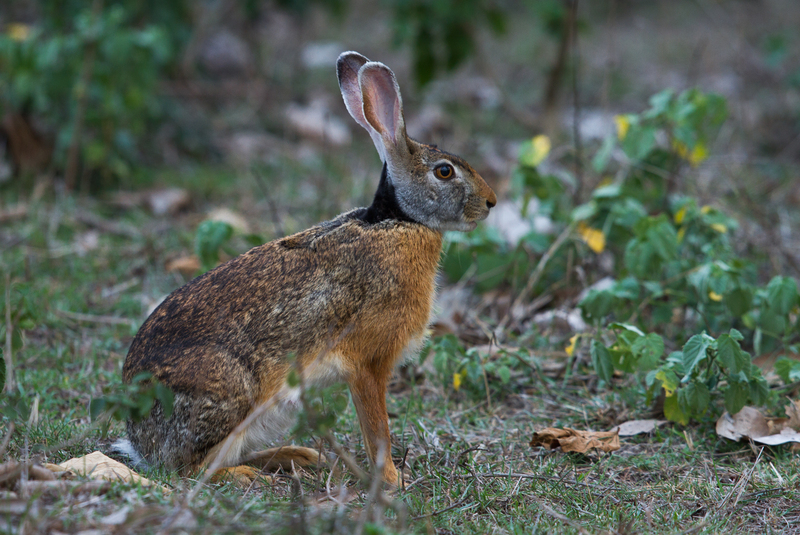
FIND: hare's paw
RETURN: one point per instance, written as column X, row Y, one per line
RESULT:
column 285, row 457
column 242, row 476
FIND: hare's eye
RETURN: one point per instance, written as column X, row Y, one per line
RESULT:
column 444, row 171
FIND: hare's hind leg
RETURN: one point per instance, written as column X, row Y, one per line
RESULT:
column 285, row 457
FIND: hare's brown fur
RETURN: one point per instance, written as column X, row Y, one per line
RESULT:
column 341, row 302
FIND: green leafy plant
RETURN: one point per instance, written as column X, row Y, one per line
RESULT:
column 132, row 401
column 693, row 379
column 442, row 33
column 210, row 237
column 92, row 79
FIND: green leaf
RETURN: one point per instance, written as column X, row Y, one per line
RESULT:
column 695, row 398
column 694, row 352
column 597, row 303
column 211, row 235
column 673, row 412
column 739, row 301
column 627, row 327
column 782, row 294
column 600, row 160
column 601, row 360
column 166, row 397
column 664, row 238
column 639, row 141
column 736, row 396
column 731, row 356
column 648, row 350
column 788, row 369
column 96, row 407
column 759, row 390
column 504, row 373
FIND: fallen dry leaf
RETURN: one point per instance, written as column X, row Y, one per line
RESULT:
column 575, row 440
column 98, row 466
column 234, row 219
column 750, row 423
column 637, row 427
column 185, row 265
column 168, row 201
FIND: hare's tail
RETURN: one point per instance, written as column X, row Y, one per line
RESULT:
column 125, row 448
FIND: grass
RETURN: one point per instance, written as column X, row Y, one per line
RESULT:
column 467, row 454
column 89, row 282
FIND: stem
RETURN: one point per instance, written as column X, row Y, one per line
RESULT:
column 9, row 330
column 82, row 91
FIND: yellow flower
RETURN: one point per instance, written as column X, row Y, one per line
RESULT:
column 456, row 381
column 18, row 32
column 719, row 227
column 714, row 296
column 570, row 349
column 705, row 209
column 535, row 151
column 623, row 124
column 594, row 238
column 699, row 153
column 680, row 215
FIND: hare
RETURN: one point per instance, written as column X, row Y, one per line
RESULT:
column 344, row 301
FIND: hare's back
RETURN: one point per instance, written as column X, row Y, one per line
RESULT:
column 293, row 296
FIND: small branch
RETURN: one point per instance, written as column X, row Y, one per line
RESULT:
column 93, row 318
column 536, row 275
column 82, row 92
column 458, row 503
column 9, row 386
column 576, row 109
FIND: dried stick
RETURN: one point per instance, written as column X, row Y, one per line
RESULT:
column 536, row 275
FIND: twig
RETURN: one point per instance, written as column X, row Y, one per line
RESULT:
column 9, row 386
column 82, row 92
column 536, row 370
column 374, row 490
column 576, row 109
column 559, row 516
column 348, row 461
column 273, row 207
column 536, row 275
column 7, row 438
column 740, row 486
column 458, row 503
column 93, row 318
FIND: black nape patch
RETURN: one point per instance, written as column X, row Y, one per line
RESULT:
column 384, row 205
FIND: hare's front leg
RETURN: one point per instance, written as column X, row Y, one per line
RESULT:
column 368, row 387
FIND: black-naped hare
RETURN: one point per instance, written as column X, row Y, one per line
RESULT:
column 344, row 301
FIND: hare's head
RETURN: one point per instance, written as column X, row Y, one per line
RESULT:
column 432, row 187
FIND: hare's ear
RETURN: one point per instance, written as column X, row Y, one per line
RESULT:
column 347, row 67
column 383, row 106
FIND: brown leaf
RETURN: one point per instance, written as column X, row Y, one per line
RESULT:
column 575, row 440
column 793, row 412
column 637, row 427
column 750, row 423
column 185, row 265
column 98, row 466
